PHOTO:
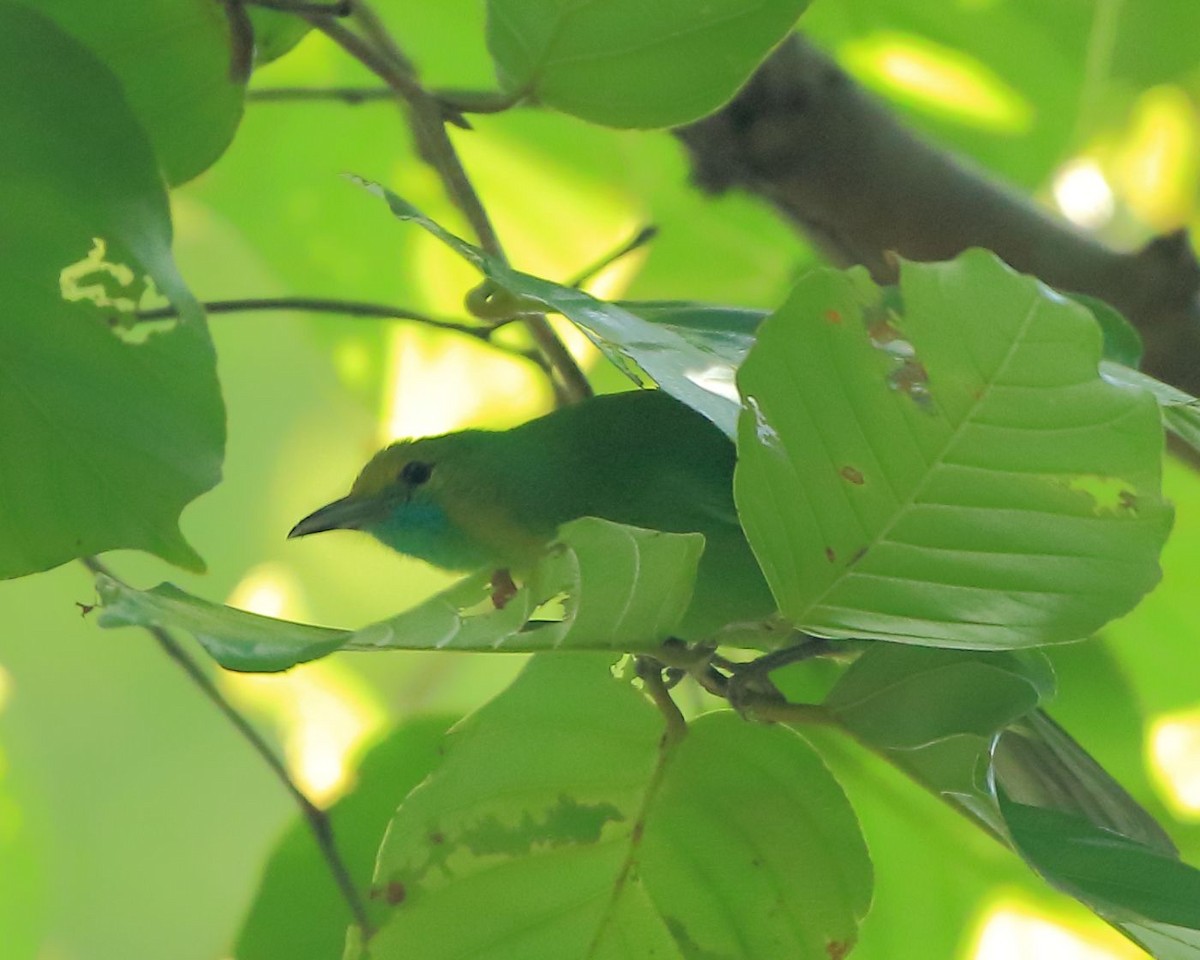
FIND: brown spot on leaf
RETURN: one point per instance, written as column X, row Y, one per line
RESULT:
column 830, row 555
column 395, row 893
column 858, row 555
column 833, row 316
column 852, row 474
column 437, row 838
column 837, row 949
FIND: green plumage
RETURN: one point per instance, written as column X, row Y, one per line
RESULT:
column 476, row 498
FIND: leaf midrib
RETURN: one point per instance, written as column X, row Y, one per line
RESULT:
column 934, row 464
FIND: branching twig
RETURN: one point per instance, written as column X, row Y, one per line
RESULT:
column 427, row 116
column 316, row 818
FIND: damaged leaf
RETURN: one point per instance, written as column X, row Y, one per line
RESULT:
column 976, row 481
column 104, row 440
column 603, row 586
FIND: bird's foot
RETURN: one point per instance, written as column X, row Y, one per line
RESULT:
column 503, row 588
column 750, row 684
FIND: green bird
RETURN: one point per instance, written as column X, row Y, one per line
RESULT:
column 477, row 498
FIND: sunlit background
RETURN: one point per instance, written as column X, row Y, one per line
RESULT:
column 133, row 822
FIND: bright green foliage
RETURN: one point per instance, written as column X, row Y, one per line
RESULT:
column 625, row 63
column 114, row 436
column 903, row 698
column 275, row 33
column 1148, row 893
column 563, row 825
column 693, row 369
column 1017, row 773
column 298, row 912
column 751, row 848
column 173, row 59
column 958, row 475
column 603, row 586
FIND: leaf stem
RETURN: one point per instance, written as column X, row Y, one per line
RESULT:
column 316, row 818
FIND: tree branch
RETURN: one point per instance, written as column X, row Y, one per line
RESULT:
column 316, row 818
column 846, row 172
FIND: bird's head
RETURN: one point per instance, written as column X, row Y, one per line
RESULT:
column 423, row 498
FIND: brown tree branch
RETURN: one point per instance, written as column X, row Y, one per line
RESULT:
column 838, row 164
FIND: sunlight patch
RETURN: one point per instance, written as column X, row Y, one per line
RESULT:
column 938, row 79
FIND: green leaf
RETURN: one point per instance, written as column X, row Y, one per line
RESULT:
column 602, row 586
column 751, row 848
column 107, row 437
column 275, row 33
column 564, row 825
column 1120, row 878
column 1008, row 766
column 694, row 370
column 624, row 63
column 298, row 911
column 173, row 59
column 1039, row 764
column 1180, row 411
column 1122, row 342
column 726, row 332
column 902, row 698
column 237, row 640
column 956, row 476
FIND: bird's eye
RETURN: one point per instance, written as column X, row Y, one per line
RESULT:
column 416, row 472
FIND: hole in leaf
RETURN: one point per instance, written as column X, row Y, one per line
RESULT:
column 116, row 290
column 1108, row 494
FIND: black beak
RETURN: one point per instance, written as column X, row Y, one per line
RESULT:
column 345, row 514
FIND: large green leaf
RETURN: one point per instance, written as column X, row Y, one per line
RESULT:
column 603, row 586
column 564, row 825
column 958, row 475
column 625, row 63
column 298, row 911
column 106, row 439
column 174, row 61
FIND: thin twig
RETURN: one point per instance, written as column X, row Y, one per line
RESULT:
column 427, row 119
column 350, row 308
column 348, row 95
column 454, row 102
column 316, row 818
column 299, row 7
column 639, row 239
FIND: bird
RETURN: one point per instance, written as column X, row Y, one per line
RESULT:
column 477, row 499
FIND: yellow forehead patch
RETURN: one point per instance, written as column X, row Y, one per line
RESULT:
column 382, row 470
